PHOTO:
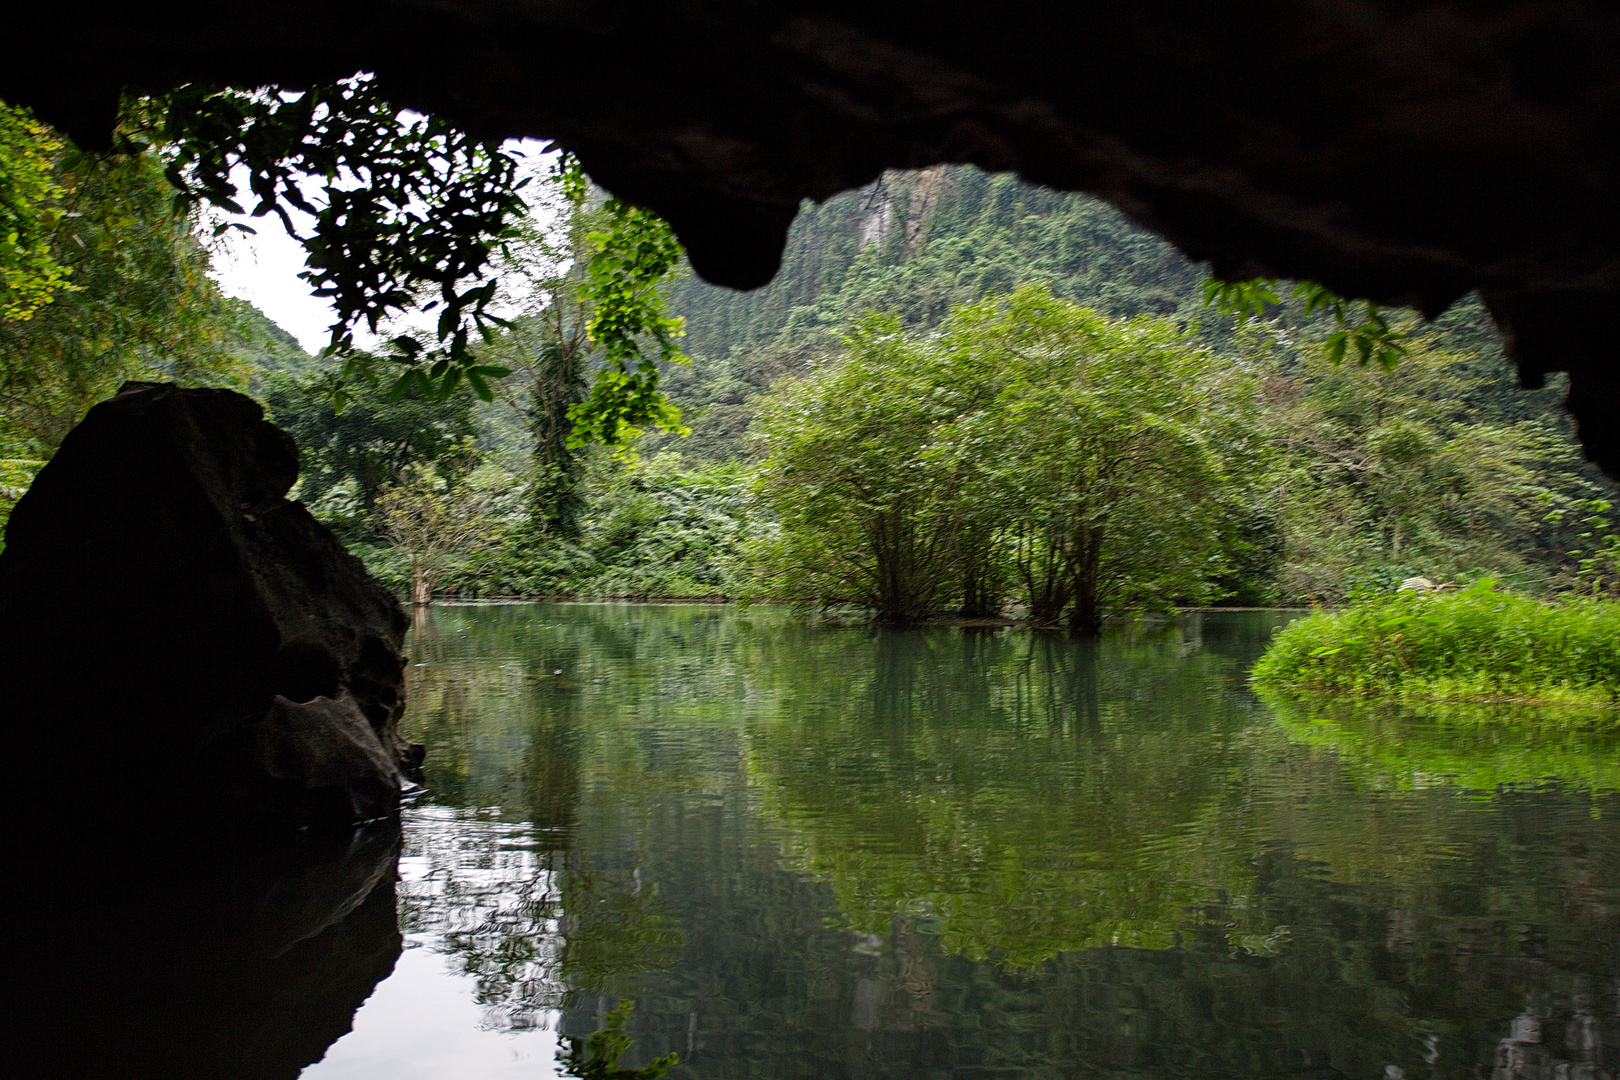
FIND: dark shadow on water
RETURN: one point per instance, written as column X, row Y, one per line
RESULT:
column 219, row 956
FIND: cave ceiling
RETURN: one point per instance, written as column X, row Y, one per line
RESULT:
column 1404, row 152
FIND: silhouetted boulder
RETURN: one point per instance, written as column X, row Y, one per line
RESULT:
column 176, row 633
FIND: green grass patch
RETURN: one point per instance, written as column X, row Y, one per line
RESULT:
column 1476, row 646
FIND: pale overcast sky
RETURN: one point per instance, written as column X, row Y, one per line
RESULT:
column 263, row 270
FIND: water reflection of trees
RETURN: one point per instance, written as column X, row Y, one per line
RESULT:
column 797, row 843
column 492, row 874
column 1025, row 794
column 528, row 923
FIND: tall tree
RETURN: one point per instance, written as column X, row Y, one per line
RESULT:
column 1113, row 452
column 547, row 347
column 135, row 301
column 429, row 517
column 866, row 517
column 1099, row 463
column 587, row 275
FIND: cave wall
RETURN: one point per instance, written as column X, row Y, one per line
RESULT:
column 1403, row 151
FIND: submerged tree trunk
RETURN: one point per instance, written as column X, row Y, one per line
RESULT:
column 890, row 599
column 909, row 567
column 1046, row 604
column 1085, row 617
column 981, row 584
column 423, row 579
column 1043, row 565
column 421, row 590
column 979, row 600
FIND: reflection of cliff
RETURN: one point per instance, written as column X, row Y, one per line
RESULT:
column 768, row 977
column 185, row 962
column 1566, row 1042
column 772, row 975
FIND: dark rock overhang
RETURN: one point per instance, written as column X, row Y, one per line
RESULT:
column 1403, row 151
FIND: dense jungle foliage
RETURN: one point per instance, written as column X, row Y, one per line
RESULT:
column 963, row 394
column 102, row 280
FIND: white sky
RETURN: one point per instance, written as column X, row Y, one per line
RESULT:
column 263, row 270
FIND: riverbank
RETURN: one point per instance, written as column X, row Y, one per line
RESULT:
column 1479, row 646
column 1012, row 620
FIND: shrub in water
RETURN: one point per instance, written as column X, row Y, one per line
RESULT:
column 1479, row 644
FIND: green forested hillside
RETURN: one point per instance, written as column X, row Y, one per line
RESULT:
column 262, row 346
column 913, row 244
column 1341, row 478
column 909, row 245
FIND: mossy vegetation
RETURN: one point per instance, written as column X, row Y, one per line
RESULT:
column 1479, row 645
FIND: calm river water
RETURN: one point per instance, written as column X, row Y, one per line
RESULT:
column 822, row 851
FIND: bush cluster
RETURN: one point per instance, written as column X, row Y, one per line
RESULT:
column 657, row 529
column 1477, row 644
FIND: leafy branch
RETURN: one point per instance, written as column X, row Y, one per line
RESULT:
column 628, row 261
column 1371, row 338
column 406, row 211
column 29, row 274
